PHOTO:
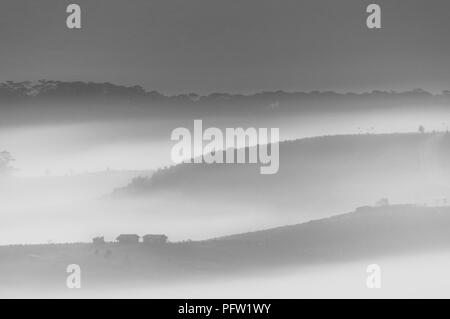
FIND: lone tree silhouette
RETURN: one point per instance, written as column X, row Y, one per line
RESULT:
column 421, row 129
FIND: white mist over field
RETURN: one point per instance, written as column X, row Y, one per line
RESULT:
column 72, row 205
column 91, row 95
column 52, row 198
column 418, row 276
column 67, row 149
column 76, row 209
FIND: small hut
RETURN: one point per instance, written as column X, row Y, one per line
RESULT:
column 128, row 239
column 98, row 241
column 155, row 239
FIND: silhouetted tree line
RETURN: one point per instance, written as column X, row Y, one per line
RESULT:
column 49, row 88
column 46, row 88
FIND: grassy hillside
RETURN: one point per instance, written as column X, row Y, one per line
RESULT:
column 366, row 233
column 318, row 175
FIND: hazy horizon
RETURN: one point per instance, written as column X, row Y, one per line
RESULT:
column 230, row 47
column 97, row 112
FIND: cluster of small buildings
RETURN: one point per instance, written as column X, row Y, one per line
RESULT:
column 132, row 239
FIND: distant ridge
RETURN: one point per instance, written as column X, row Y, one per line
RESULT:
column 400, row 218
column 53, row 88
column 368, row 232
column 317, row 175
column 45, row 102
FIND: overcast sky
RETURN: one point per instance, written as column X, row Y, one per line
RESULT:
column 203, row 46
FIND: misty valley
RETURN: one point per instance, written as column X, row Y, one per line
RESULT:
column 212, row 149
column 101, row 193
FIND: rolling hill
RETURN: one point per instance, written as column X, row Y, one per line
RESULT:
column 368, row 233
column 316, row 176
